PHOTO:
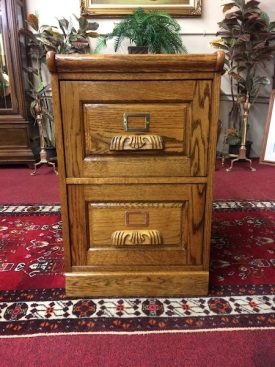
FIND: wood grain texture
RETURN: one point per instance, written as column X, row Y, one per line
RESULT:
column 199, row 134
column 165, row 217
column 215, row 102
column 143, row 268
column 15, row 142
column 196, row 223
column 61, row 169
column 135, row 180
column 92, row 122
column 104, row 123
column 133, row 256
column 138, row 63
column 144, row 284
column 144, row 193
column 138, row 76
column 139, row 222
column 148, row 165
column 136, row 143
column 143, row 237
column 97, row 211
column 77, row 210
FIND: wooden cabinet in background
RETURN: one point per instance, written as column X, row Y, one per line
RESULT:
column 14, row 127
column 136, row 140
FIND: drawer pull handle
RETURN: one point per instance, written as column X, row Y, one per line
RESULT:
column 133, row 238
column 136, row 142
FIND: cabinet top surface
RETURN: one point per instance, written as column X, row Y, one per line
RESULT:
column 74, row 63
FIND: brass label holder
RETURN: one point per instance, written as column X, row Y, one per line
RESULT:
column 146, row 117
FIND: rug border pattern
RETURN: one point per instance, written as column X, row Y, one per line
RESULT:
column 220, row 205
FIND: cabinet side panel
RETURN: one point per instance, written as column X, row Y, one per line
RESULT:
column 199, row 135
column 61, row 167
column 215, row 103
column 78, row 219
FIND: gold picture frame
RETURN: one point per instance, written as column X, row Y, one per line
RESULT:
column 112, row 8
column 268, row 148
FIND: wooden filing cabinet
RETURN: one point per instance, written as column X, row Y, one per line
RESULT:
column 136, row 140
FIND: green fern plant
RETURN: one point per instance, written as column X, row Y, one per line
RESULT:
column 156, row 30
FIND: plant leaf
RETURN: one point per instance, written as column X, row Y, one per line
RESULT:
column 33, row 21
column 228, row 6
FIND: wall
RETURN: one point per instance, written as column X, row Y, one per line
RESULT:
column 197, row 33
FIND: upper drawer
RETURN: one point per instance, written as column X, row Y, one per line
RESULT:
column 117, row 128
column 134, row 128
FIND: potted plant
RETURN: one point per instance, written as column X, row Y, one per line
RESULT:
column 233, row 138
column 245, row 34
column 155, row 32
column 39, row 40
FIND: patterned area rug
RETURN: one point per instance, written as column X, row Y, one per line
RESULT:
column 31, row 247
column 241, row 290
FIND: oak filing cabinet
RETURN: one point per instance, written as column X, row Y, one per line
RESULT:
column 136, row 141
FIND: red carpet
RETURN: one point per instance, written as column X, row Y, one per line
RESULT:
column 242, row 273
column 243, row 247
column 17, row 186
column 225, row 349
column 31, row 246
column 243, row 184
column 254, row 348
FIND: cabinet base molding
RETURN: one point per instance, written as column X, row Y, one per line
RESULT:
column 133, row 284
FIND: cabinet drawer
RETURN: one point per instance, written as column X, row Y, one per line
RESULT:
column 118, row 128
column 137, row 233
column 136, row 128
column 136, row 224
column 144, row 226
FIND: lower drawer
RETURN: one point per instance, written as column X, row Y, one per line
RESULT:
column 134, row 233
column 136, row 225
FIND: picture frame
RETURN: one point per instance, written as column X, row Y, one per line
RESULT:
column 268, row 148
column 119, row 8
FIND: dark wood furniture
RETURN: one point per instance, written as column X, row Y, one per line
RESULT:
column 14, row 126
column 136, row 140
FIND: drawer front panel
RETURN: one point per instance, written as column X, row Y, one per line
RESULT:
column 133, row 233
column 154, row 230
column 117, row 128
column 135, row 224
column 125, row 128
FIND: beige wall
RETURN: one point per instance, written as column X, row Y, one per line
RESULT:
column 197, row 33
